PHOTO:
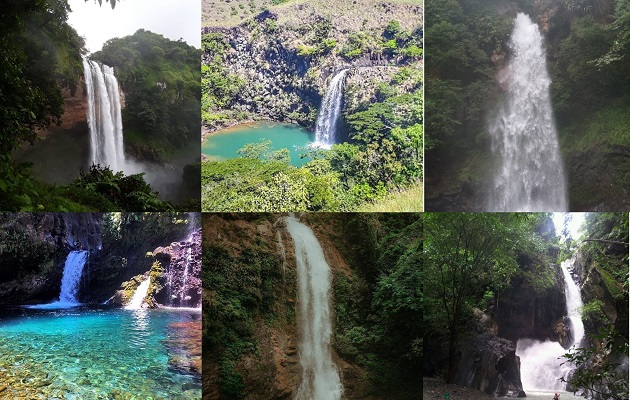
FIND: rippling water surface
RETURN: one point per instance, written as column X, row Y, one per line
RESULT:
column 86, row 353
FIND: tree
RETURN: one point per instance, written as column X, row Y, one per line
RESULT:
column 467, row 254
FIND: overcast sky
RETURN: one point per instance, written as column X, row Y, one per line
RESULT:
column 173, row 19
column 575, row 225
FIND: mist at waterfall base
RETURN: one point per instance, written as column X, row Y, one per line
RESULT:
column 542, row 363
column 320, row 379
column 83, row 353
column 530, row 172
column 106, row 133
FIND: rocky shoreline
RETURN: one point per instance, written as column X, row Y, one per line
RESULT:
column 436, row 389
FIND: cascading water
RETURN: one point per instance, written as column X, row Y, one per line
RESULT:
column 184, row 297
column 182, row 280
column 320, row 380
column 104, row 116
column 328, row 119
column 72, row 271
column 540, row 361
column 138, row 296
column 530, row 176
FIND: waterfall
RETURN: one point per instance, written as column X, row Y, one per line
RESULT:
column 184, row 295
column 104, row 116
column 328, row 119
column 138, row 296
column 182, row 279
column 530, row 176
column 72, row 271
column 320, row 380
column 540, row 361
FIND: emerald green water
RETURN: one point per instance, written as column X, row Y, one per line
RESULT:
column 224, row 144
column 92, row 354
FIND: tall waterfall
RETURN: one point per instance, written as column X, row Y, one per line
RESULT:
column 540, row 361
column 320, row 380
column 138, row 296
column 104, row 116
column 328, row 119
column 72, row 271
column 530, row 176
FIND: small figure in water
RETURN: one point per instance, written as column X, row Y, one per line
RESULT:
column 556, row 397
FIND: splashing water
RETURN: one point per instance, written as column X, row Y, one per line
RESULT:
column 138, row 296
column 104, row 116
column 530, row 176
column 328, row 119
column 541, row 367
column 72, row 271
column 320, row 380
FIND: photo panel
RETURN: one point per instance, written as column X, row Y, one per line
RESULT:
column 100, row 305
column 312, row 306
column 526, row 304
column 100, row 105
column 527, row 105
column 312, row 105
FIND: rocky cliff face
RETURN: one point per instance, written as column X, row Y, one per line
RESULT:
column 180, row 283
column 527, row 313
column 275, row 54
column 34, row 248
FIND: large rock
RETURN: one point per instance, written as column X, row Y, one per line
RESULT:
column 524, row 312
column 490, row 364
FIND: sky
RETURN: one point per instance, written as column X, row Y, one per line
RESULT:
column 574, row 225
column 173, row 19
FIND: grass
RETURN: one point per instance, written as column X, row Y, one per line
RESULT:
column 408, row 200
column 229, row 13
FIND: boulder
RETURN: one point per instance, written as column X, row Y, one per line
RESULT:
column 490, row 364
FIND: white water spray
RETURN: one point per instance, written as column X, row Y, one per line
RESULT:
column 139, row 295
column 320, row 379
column 530, row 176
column 184, row 297
column 72, row 271
column 104, row 116
column 328, row 119
column 540, row 361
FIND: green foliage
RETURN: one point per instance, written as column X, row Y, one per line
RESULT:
column 593, row 311
column 40, row 52
column 240, row 288
column 378, row 311
column 605, row 379
column 467, row 255
column 219, row 88
column 611, row 259
column 460, row 73
column 21, row 253
column 270, row 184
column 104, row 190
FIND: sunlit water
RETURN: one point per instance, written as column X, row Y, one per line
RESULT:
column 85, row 353
column 225, row 144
